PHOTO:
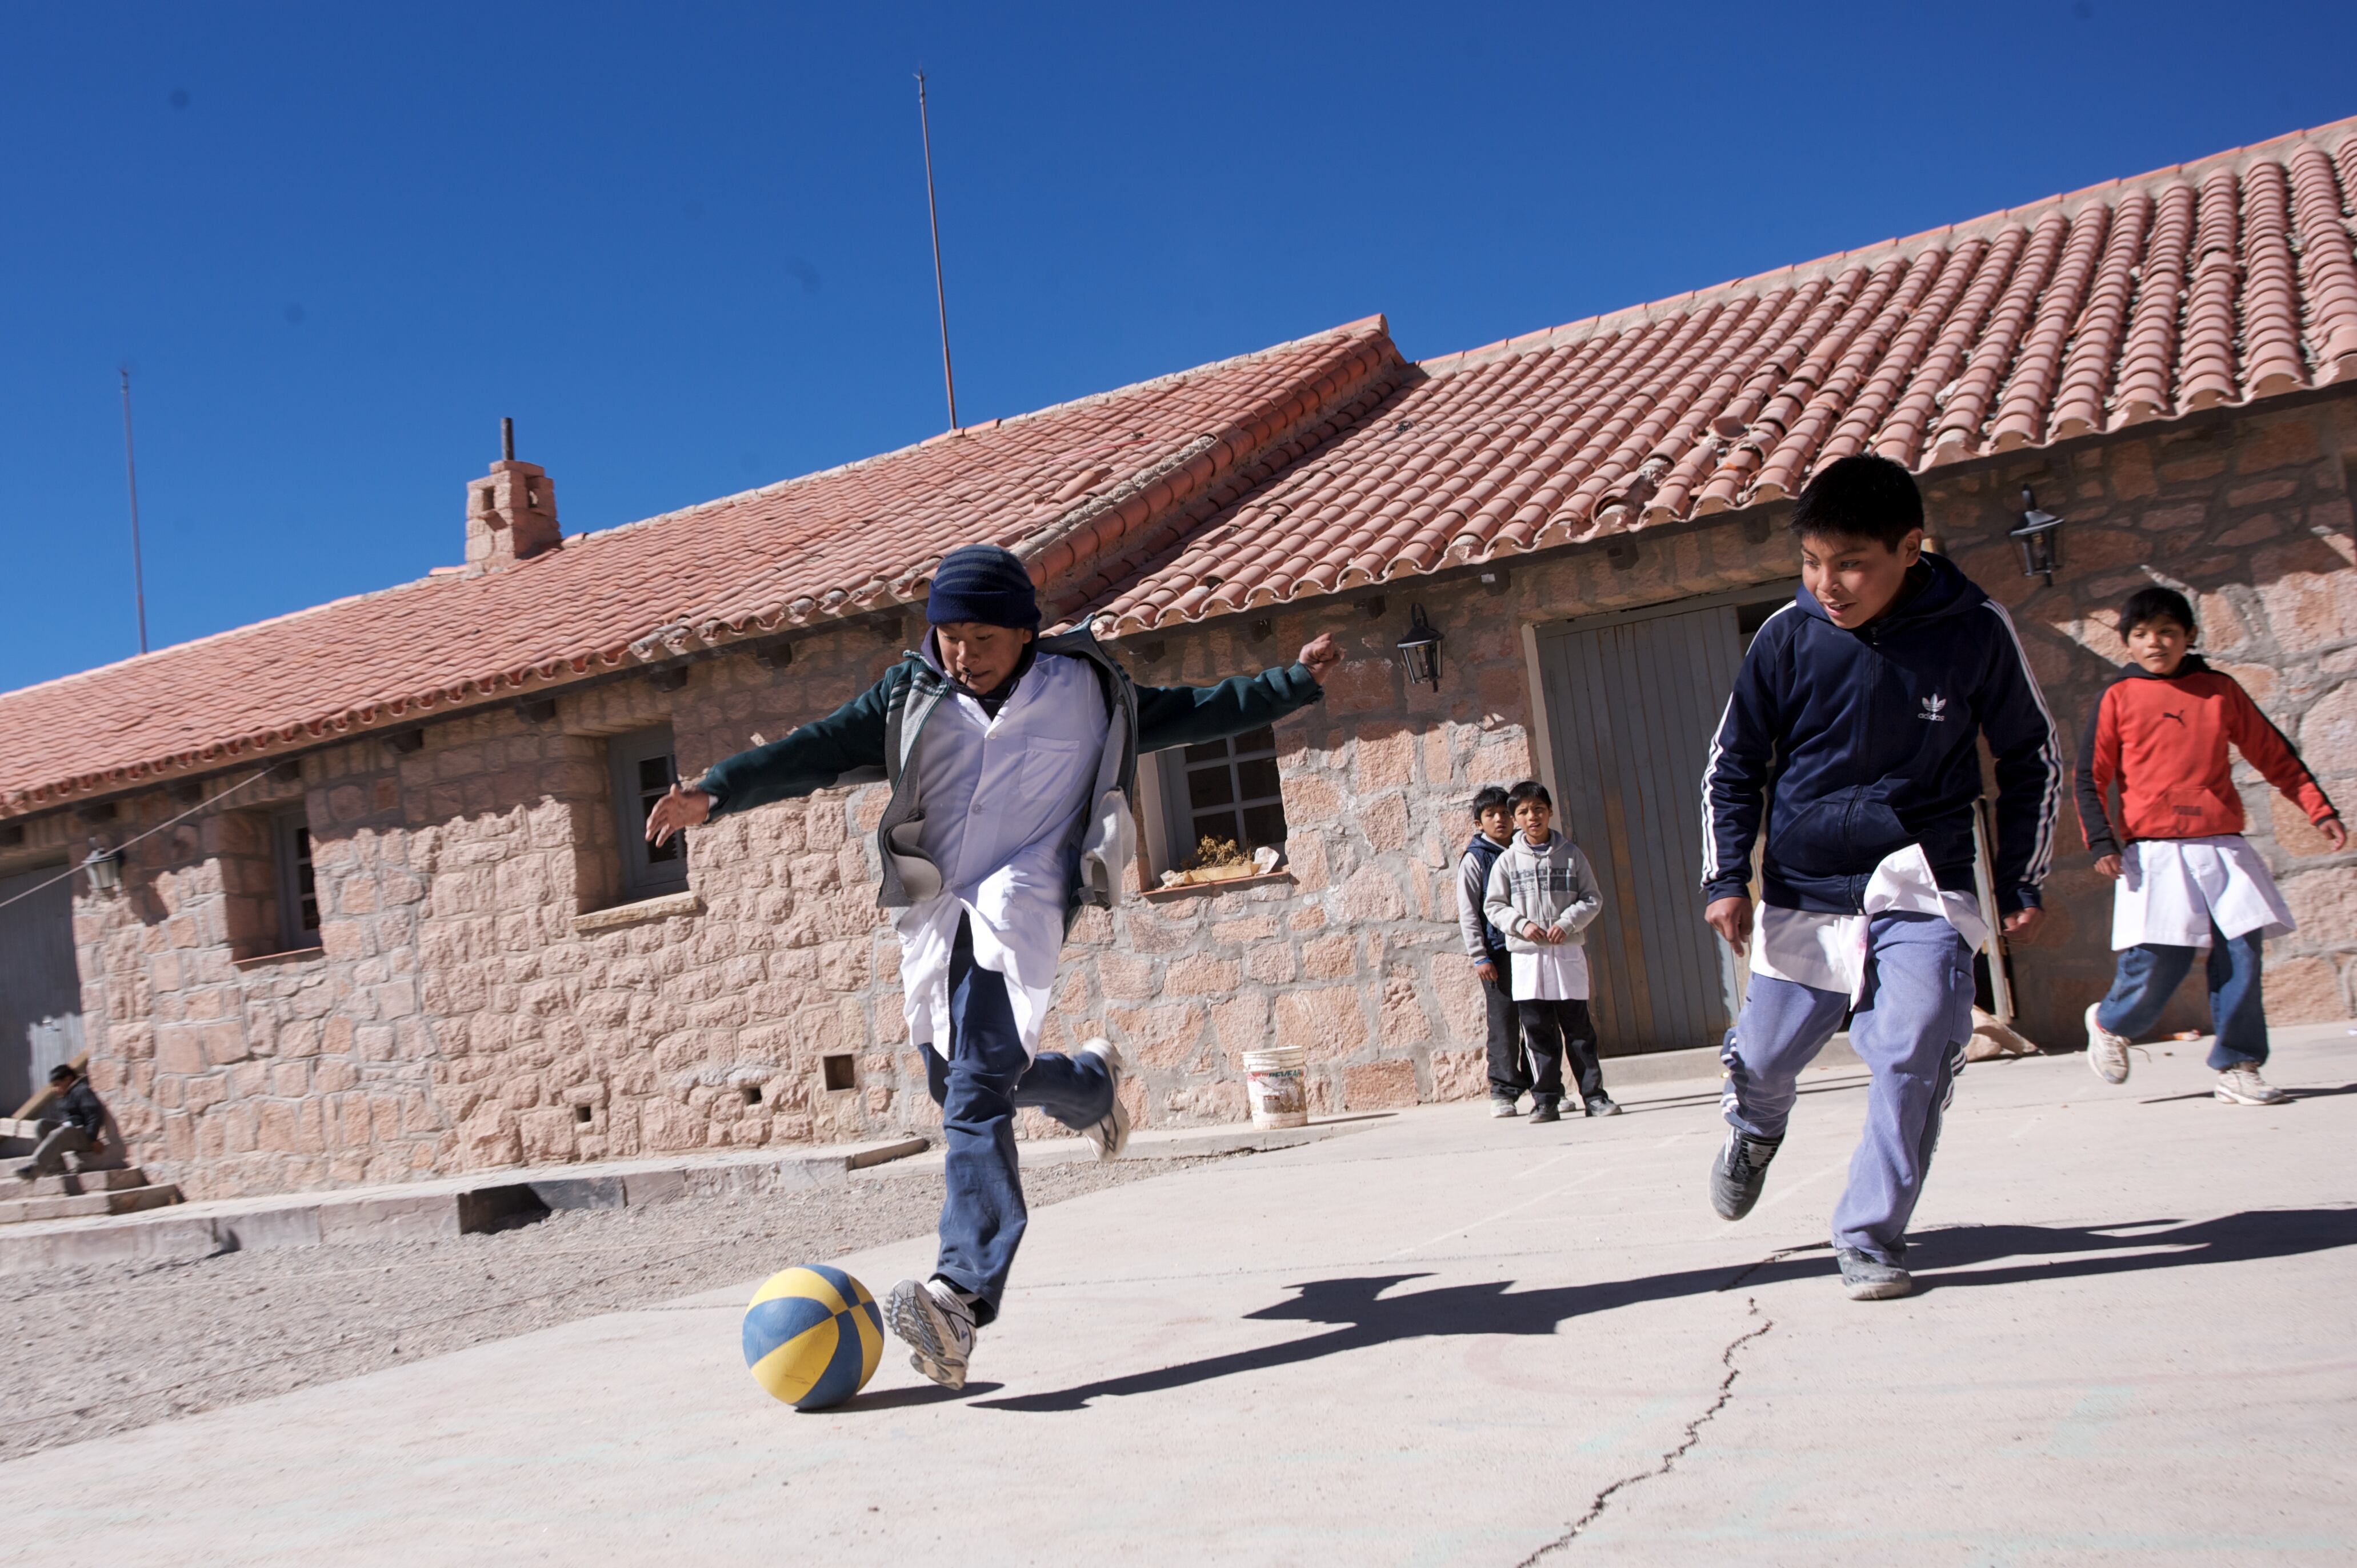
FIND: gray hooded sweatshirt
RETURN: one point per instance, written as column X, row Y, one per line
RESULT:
column 1541, row 884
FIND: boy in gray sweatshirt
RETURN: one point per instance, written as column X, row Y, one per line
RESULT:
column 1542, row 895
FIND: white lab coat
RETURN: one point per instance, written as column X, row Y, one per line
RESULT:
column 2171, row 889
column 1829, row 951
column 1005, row 804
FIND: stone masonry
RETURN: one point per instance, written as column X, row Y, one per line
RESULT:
column 477, row 1000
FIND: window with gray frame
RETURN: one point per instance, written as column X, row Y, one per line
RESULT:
column 299, row 889
column 643, row 769
column 1224, row 789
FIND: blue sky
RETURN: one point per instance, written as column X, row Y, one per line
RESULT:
column 684, row 246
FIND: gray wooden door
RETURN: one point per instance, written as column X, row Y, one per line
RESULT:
column 1632, row 702
column 40, row 985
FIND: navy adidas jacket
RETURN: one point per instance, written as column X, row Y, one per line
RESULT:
column 1854, row 744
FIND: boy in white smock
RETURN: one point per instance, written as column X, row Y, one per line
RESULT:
column 1012, row 759
column 1543, row 896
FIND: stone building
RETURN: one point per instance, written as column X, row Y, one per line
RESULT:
column 360, row 898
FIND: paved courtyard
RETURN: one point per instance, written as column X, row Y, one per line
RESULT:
column 1440, row 1341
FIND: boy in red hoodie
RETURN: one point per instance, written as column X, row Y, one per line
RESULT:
column 2187, row 878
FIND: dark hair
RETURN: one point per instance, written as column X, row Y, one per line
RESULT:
column 63, row 1073
column 1859, row 497
column 2156, row 603
column 1530, row 790
column 1492, row 795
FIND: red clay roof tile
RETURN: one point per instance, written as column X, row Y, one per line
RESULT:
column 2220, row 282
column 1079, row 489
column 1320, row 466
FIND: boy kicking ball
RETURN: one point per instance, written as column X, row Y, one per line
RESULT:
column 1011, row 758
column 1852, row 731
column 2187, row 878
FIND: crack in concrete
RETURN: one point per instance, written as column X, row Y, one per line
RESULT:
column 1603, row 1499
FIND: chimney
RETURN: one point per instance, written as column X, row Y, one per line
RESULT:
column 511, row 512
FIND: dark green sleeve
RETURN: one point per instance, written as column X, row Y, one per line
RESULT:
column 1188, row 716
column 845, row 748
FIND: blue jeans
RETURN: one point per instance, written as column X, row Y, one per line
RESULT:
column 2147, row 975
column 978, row 1089
column 1908, row 1028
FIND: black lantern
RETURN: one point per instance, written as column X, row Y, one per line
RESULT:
column 105, row 869
column 2040, row 538
column 1419, row 650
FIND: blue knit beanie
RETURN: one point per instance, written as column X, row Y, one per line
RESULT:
column 983, row 583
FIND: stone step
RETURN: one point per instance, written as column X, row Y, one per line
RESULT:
column 75, row 1205
column 73, row 1186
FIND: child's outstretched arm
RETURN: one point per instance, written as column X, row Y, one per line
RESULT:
column 845, row 746
column 1188, row 716
column 2020, row 734
column 2263, row 745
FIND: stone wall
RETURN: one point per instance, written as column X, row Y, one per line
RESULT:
column 478, row 1000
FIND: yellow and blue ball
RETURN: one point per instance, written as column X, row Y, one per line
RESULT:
column 812, row 1337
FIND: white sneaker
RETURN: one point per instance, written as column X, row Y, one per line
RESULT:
column 2243, row 1086
column 2107, row 1054
column 937, row 1327
column 1110, row 1133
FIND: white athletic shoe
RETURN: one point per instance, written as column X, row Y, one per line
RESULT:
column 937, row 1327
column 1110, row 1132
column 2107, row 1054
column 2243, row 1086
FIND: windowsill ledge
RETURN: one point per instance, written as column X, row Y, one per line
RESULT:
column 288, row 955
column 1227, row 885
column 661, row 907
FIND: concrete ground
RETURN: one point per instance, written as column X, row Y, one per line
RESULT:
column 1444, row 1339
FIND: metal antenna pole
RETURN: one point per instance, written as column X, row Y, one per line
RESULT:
column 941, row 295
column 131, row 479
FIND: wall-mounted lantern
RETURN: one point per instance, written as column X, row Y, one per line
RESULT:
column 2040, row 538
column 1419, row 650
column 105, row 869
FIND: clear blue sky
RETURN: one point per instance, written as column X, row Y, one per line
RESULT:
column 684, row 245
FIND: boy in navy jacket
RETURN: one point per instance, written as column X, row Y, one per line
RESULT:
column 1851, row 735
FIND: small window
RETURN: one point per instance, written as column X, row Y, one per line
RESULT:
column 1225, row 789
column 644, row 769
column 299, row 889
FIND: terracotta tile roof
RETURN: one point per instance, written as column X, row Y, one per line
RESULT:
column 1087, row 491
column 2224, row 281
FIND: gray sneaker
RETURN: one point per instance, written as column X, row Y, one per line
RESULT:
column 1603, row 1105
column 1505, row 1108
column 2243, row 1086
column 2107, row 1054
column 1871, row 1279
column 1110, row 1132
column 1545, row 1111
column 937, row 1327
column 1739, row 1171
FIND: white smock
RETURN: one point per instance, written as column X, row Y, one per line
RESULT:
column 1003, row 817
column 1557, row 974
column 2172, row 889
column 1828, row 952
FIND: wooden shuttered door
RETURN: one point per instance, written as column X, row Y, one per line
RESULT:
column 1632, row 702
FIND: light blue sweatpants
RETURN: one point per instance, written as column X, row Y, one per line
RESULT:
column 1909, row 1028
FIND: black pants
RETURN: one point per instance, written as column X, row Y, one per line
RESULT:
column 1510, row 1070
column 1552, row 1030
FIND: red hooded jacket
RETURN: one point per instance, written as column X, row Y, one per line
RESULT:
column 2163, row 738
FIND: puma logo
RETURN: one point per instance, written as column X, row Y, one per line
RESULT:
column 1935, row 709
column 2173, row 713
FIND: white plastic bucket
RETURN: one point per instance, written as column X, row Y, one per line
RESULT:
column 1279, row 1098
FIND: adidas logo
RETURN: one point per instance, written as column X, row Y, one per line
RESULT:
column 1935, row 709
